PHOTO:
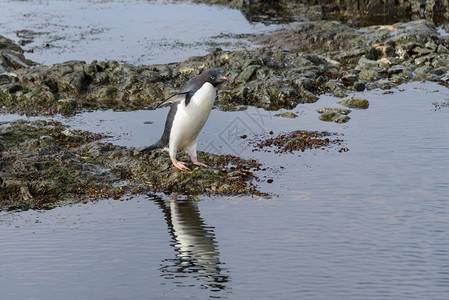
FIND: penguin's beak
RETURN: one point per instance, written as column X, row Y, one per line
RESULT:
column 223, row 78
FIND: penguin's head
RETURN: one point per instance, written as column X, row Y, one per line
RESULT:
column 213, row 76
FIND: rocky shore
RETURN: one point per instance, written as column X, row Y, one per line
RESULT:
column 292, row 66
column 43, row 163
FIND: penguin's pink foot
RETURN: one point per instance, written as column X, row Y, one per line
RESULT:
column 201, row 164
column 179, row 164
column 196, row 162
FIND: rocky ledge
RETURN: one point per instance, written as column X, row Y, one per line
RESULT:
column 293, row 66
column 43, row 163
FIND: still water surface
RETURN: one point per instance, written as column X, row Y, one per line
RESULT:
column 370, row 223
column 137, row 32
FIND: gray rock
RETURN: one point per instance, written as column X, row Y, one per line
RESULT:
column 359, row 86
column 422, row 51
column 332, row 116
column 247, row 74
column 386, row 84
column 289, row 115
column 67, row 105
column 369, row 75
column 333, row 109
column 365, row 63
column 355, row 102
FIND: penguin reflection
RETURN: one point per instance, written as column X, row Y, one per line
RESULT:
column 194, row 243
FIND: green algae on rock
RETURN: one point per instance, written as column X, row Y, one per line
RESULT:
column 44, row 163
column 334, row 116
column 288, row 115
column 342, row 111
column 355, row 102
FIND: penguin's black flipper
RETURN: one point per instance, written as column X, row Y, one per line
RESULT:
column 178, row 97
column 174, row 98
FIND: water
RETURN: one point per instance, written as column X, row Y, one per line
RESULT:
column 137, row 32
column 370, row 223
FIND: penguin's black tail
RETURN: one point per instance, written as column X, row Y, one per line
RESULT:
column 158, row 145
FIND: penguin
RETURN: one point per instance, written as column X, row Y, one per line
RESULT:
column 189, row 111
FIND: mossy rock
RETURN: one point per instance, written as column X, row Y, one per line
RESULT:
column 333, row 109
column 355, row 102
column 333, row 116
column 288, row 115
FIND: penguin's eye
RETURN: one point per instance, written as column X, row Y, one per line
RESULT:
column 212, row 77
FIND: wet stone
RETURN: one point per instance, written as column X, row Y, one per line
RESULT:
column 386, row 84
column 288, row 115
column 333, row 109
column 334, row 116
column 355, row 102
column 359, row 86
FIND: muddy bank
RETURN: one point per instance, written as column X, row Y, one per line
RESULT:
column 43, row 163
column 293, row 66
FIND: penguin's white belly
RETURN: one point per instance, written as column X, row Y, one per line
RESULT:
column 190, row 119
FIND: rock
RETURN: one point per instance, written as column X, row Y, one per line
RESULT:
column 67, row 106
column 373, row 54
column 336, row 117
column 420, row 51
column 397, row 69
column 424, row 72
column 442, row 61
column 365, row 63
column 333, row 109
column 350, row 78
column 4, row 79
column 369, row 75
column 247, row 74
column 70, row 133
column 333, row 114
column 355, row 102
column 11, row 56
column 287, row 115
column 359, row 86
column 431, row 45
column 386, row 84
column 442, row 49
